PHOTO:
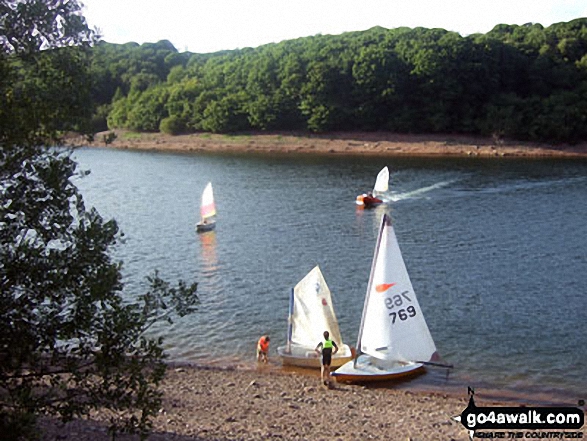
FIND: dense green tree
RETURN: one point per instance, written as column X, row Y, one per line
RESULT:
column 262, row 85
column 227, row 114
column 563, row 116
column 129, row 67
column 148, row 109
column 291, row 74
column 504, row 117
column 326, row 97
column 37, row 64
column 181, row 100
column 70, row 340
column 172, row 125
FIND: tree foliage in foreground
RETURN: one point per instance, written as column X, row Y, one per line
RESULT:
column 71, row 341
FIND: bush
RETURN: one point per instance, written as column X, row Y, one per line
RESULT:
column 172, row 125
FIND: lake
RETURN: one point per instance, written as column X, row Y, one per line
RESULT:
column 496, row 250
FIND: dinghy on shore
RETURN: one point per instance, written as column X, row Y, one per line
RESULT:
column 311, row 312
column 394, row 340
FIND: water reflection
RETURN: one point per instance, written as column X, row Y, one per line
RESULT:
column 209, row 257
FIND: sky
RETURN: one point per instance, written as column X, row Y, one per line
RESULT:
column 203, row 26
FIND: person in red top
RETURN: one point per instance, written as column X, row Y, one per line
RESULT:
column 263, row 348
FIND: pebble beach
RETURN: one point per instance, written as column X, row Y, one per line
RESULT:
column 204, row 403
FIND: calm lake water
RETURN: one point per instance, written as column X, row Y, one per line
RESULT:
column 496, row 249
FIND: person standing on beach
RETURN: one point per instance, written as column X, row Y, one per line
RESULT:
column 325, row 348
column 263, row 348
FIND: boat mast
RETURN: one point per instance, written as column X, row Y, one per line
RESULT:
column 384, row 222
column 290, row 320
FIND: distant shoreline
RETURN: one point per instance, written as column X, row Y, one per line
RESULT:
column 341, row 143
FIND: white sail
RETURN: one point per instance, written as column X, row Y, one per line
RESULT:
column 382, row 181
column 313, row 312
column 208, row 207
column 393, row 327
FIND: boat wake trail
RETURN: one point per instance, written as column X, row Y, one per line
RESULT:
column 394, row 197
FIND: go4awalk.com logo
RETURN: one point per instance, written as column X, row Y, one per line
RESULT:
column 522, row 422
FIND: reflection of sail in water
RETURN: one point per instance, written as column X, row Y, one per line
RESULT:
column 211, row 324
column 209, row 257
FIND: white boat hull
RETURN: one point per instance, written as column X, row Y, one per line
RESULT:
column 303, row 356
column 369, row 369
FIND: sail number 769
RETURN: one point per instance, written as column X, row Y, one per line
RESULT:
column 403, row 314
column 399, row 300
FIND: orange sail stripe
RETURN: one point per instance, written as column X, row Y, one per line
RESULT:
column 383, row 287
column 208, row 210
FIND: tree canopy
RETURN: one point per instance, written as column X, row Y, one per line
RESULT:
column 522, row 82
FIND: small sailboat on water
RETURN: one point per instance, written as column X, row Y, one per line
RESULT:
column 368, row 200
column 207, row 210
column 311, row 312
column 394, row 339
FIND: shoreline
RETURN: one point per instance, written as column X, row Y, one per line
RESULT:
column 211, row 404
column 432, row 381
column 339, row 143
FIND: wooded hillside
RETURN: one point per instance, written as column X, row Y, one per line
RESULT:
column 518, row 82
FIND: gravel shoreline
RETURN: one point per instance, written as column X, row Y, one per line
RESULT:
column 230, row 404
column 376, row 144
column 217, row 404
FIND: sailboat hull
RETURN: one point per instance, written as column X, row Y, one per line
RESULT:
column 202, row 227
column 367, row 201
column 303, row 356
column 368, row 369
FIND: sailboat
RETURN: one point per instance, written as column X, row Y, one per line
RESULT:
column 207, row 210
column 394, row 339
column 381, row 186
column 310, row 314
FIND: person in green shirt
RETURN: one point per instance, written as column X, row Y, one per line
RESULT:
column 326, row 349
